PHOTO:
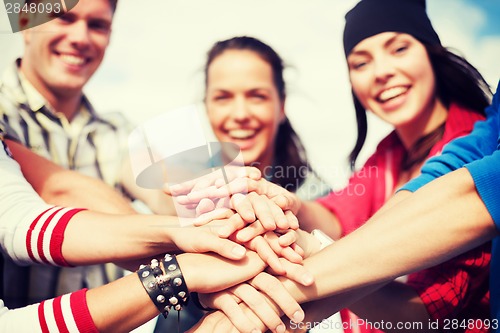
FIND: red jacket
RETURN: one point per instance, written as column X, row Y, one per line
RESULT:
column 455, row 289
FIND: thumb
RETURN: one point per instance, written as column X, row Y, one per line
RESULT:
column 224, row 247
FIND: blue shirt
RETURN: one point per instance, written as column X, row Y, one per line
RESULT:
column 479, row 152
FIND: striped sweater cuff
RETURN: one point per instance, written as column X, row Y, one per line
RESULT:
column 45, row 235
column 67, row 313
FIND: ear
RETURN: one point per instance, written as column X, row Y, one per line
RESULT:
column 28, row 20
column 25, row 20
column 110, row 36
column 25, row 23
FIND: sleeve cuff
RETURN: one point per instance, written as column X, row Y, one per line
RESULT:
column 486, row 175
column 416, row 183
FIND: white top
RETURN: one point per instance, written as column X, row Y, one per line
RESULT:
column 32, row 232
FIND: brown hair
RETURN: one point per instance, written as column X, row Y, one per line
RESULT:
column 112, row 3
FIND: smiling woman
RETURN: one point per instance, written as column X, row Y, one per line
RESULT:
column 245, row 101
column 391, row 76
column 243, row 104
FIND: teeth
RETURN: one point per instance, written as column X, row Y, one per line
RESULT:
column 242, row 133
column 391, row 93
column 72, row 60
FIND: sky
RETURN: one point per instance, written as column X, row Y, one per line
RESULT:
column 155, row 60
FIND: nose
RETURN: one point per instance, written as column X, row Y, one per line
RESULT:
column 78, row 34
column 240, row 112
column 383, row 69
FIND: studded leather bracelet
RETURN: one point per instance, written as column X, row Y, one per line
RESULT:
column 164, row 284
column 149, row 283
column 172, row 270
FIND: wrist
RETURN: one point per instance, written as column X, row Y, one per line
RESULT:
column 191, row 276
column 294, row 289
column 162, row 233
column 224, row 272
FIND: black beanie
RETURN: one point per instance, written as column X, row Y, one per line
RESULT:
column 371, row 17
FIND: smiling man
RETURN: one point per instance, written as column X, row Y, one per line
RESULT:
column 43, row 106
column 61, row 55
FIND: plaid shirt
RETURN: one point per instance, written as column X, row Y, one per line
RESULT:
column 459, row 290
column 91, row 144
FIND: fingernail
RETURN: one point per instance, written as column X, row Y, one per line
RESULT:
column 307, row 279
column 239, row 251
column 298, row 316
column 280, row 328
column 243, row 233
column 256, row 331
column 224, row 231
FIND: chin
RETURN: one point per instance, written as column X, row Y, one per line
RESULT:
column 71, row 85
column 250, row 159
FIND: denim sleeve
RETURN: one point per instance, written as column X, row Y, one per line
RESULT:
column 481, row 142
column 486, row 175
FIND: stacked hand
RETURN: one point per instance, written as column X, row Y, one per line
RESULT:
column 244, row 208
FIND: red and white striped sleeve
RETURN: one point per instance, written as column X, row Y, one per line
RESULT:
column 45, row 235
column 67, row 313
column 30, row 230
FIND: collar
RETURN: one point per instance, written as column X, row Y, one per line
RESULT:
column 26, row 95
column 459, row 121
column 11, row 83
column 33, row 98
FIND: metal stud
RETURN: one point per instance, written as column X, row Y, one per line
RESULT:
column 167, row 257
column 177, row 282
column 142, row 266
column 173, row 300
column 178, row 307
column 182, row 294
column 151, row 285
column 160, row 298
column 172, row 267
column 154, row 263
column 157, row 271
column 145, row 274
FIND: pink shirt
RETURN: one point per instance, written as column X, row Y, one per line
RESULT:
column 455, row 289
column 370, row 187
